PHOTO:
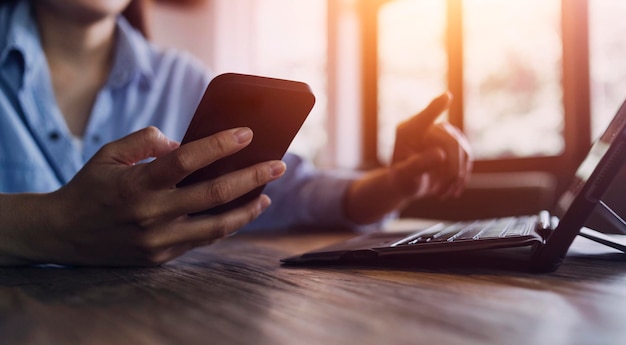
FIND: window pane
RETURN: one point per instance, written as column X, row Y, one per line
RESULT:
column 291, row 43
column 412, row 62
column 512, row 70
column 276, row 38
column 607, row 50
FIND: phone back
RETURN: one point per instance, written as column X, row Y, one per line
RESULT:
column 274, row 109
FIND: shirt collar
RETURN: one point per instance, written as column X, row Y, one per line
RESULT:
column 132, row 57
column 132, row 53
column 22, row 36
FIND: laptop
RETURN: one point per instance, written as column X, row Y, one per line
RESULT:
column 537, row 242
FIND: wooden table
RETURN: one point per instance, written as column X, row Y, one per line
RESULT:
column 236, row 292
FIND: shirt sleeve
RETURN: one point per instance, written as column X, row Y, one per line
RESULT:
column 309, row 197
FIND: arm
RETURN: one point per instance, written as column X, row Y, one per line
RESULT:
column 116, row 211
column 428, row 160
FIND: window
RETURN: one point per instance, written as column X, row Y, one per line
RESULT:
column 277, row 38
column 510, row 70
column 511, row 62
column 607, row 52
column 534, row 80
column 291, row 43
column 412, row 63
column 512, row 78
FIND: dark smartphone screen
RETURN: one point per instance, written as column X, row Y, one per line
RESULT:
column 274, row 109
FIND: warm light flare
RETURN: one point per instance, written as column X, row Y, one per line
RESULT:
column 511, row 71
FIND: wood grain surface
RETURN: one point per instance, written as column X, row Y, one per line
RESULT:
column 236, row 292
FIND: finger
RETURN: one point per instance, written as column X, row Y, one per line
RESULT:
column 205, row 195
column 462, row 182
column 203, row 229
column 453, row 142
column 465, row 161
column 438, row 136
column 460, row 138
column 407, row 172
column 454, row 175
column 172, row 168
column 420, row 122
column 145, row 143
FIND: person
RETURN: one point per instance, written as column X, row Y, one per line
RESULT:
column 89, row 110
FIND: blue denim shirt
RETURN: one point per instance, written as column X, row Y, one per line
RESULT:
column 146, row 86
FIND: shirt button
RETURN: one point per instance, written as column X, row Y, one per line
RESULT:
column 96, row 139
column 54, row 136
column 120, row 77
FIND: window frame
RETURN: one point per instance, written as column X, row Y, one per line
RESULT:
column 575, row 83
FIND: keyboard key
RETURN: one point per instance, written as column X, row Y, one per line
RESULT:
column 523, row 226
column 497, row 228
column 472, row 230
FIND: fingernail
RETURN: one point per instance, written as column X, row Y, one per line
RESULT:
column 174, row 144
column 243, row 135
column 264, row 203
column 444, row 97
column 277, row 168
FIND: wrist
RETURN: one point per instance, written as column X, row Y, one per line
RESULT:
column 24, row 220
column 373, row 196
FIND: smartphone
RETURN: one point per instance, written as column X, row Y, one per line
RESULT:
column 274, row 109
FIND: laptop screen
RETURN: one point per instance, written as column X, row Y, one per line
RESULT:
column 589, row 164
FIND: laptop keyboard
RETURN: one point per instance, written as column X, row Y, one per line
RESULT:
column 473, row 230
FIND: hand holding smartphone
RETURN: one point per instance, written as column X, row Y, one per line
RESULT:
column 274, row 109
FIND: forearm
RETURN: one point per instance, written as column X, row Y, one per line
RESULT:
column 22, row 219
column 372, row 197
column 328, row 198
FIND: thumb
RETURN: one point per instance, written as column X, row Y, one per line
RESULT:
column 143, row 144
